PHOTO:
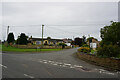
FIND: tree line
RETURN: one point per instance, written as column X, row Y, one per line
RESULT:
column 22, row 39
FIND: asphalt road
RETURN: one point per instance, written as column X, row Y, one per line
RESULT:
column 60, row 64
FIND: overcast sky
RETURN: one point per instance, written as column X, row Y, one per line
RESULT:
column 61, row 19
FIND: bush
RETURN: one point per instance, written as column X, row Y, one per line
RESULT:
column 51, row 45
column 84, row 49
column 85, row 45
column 62, row 44
column 109, row 51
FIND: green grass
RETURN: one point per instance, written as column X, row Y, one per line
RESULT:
column 0, row 47
column 13, row 49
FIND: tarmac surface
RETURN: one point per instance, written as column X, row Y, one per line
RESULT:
column 58, row 64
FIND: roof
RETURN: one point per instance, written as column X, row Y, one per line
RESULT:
column 39, row 39
column 67, row 40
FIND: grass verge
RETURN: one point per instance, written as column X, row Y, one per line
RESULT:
column 13, row 49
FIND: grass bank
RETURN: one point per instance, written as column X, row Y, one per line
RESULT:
column 13, row 49
column 108, row 63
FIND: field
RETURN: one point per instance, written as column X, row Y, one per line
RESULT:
column 13, row 49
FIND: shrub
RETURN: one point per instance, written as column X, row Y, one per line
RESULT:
column 62, row 44
column 85, row 45
column 84, row 49
column 51, row 45
column 93, row 52
column 109, row 51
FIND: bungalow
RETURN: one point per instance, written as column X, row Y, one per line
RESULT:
column 46, row 41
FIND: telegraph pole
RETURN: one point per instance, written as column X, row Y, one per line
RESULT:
column 8, row 30
column 73, row 37
column 42, row 34
column 7, row 35
column 88, row 35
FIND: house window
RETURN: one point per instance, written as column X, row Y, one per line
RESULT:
column 38, row 42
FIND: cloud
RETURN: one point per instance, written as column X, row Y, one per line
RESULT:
column 89, row 17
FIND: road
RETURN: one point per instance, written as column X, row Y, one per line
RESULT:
column 59, row 64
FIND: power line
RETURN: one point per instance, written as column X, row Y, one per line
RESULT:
column 52, row 28
column 63, row 30
column 50, row 25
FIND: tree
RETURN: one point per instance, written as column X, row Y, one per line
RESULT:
column 84, row 39
column 111, row 34
column 78, row 41
column 110, row 44
column 22, row 39
column 48, row 38
column 10, row 38
column 62, row 44
column 73, row 43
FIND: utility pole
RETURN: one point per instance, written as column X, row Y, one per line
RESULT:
column 42, row 34
column 8, row 30
column 7, row 35
column 73, row 37
column 88, row 35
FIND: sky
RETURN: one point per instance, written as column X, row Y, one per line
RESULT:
column 61, row 19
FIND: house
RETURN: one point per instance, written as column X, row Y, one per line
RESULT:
column 46, row 41
column 67, row 41
column 94, row 43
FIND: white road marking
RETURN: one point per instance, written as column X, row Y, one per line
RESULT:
column 3, row 66
column 68, row 65
column 110, row 73
column 60, row 64
column 105, row 72
column 40, row 61
column 101, row 69
column 49, row 61
column 45, row 62
column 54, row 64
column 28, row 76
column 78, row 66
column 118, row 72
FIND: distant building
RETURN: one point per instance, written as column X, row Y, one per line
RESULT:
column 94, row 43
column 46, row 41
column 67, row 41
